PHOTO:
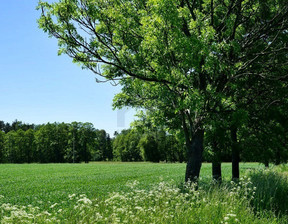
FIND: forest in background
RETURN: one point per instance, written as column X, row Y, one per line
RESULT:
column 81, row 142
column 53, row 143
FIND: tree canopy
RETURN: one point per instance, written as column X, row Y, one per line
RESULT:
column 53, row 142
column 190, row 62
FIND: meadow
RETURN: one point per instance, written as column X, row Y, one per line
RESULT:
column 111, row 192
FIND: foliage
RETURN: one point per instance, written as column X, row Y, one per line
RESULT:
column 2, row 139
column 149, row 145
column 15, row 125
column 149, row 149
column 265, row 138
column 104, row 145
column 188, row 62
column 125, row 146
column 54, row 142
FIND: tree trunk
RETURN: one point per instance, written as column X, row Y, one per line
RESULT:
column 278, row 157
column 266, row 163
column 235, row 154
column 194, row 156
column 216, row 163
column 216, row 171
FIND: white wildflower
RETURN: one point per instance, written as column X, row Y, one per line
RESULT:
column 52, row 206
column 46, row 213
column 85, row 200
column 138, row 208
column 71, row 196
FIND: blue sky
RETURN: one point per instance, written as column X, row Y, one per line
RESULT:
column 38, row 86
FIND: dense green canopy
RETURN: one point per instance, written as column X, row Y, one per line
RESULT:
column 190, row 62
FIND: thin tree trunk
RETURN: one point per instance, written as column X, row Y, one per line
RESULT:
column 216, row 163
column 266, row 163
column 278, row 157
column 216, row 171
column 235, row 154
column 194, row 156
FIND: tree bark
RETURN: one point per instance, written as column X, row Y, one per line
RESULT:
column 266, row 163
column 216, row 163
column 278, row 157
column 235, row 154
column 194, row 156
column 216, row 171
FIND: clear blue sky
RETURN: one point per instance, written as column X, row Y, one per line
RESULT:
column 37, row 86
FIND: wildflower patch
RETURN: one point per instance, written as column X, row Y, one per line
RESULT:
column 163, row 203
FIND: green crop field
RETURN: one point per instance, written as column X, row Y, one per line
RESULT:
column 56, row 190
column 31, row 183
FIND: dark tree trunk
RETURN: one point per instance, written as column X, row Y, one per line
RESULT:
column 278, row 157
column 235, row 154
column 266, row 163
column 216, row 163
column 194, row 156
column 216, row 171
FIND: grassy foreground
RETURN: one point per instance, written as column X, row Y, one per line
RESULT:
column 138, row 193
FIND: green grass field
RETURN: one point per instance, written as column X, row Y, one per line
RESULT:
column 45, row 185
column 30, row 183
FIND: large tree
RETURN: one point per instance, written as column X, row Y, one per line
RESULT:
column 185, row 60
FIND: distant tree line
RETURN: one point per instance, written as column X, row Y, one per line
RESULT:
column 53, row 143
column 81, row 142
column 262, row 140
column 154, row 146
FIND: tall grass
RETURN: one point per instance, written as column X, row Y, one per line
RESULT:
column 271, row 190
column 163, row 203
